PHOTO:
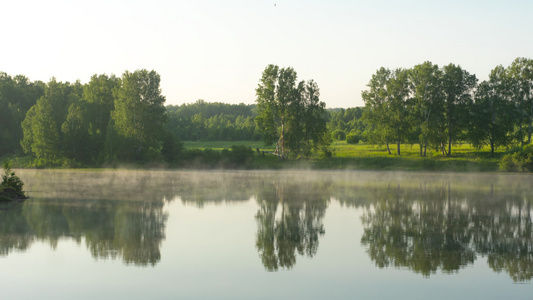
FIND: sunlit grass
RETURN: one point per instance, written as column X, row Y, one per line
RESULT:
column 372, row 157
column 464, row 157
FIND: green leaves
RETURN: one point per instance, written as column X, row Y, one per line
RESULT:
column 10, row 180
column 424, row 104
column 289, row 114
column 139, row 113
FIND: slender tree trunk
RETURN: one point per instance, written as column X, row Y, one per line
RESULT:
column 388, row 148
column 282, row 138
column 520, row 134
column 398, row 148
column 491, row 146
column 449, row 140
column 530, row 123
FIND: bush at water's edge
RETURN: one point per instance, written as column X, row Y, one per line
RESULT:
column 11, row 186
column 518, row 159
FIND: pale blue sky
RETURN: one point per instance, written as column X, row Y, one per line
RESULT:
column 217, row 50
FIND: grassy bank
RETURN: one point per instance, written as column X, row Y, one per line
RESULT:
column 465, row 158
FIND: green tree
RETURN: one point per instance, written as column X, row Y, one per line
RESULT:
column 458, row 88
column 387, row 110
column 491, row 115
column 315, row 134
column 274, row 94
column 425, row 82
column 41, row 136
column 99, row 102
column 75, row 133
column 289, row 114
column 139, row 113
column 17, row 95
column 521, row 71
column 8, row 122
column 10, row 180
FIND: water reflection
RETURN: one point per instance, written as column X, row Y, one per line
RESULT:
column 130, row 231
column 445, row 228
column 426, row 223
column 289, row 221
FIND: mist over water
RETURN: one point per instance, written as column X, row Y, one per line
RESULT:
column 369, row 224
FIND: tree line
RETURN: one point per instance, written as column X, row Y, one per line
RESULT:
column 109, row 118
column 435, row 107
column 203, row 121
column 122, row 119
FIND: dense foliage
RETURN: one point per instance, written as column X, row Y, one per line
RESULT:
column 212, row 122
column 436, row 107
column 343, row 122
column 11, row 182
column 290, row 114
column 111, row 120
column 518, row 159
column 107, row 119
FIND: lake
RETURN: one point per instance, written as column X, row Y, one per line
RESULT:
column 110, row 234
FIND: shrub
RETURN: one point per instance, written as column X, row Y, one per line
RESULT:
column 11, row 180
column 339, row 135
column 518, row 159
column 353, row 138
column 241, row 156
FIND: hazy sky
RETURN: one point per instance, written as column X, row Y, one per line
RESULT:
column 217, row 50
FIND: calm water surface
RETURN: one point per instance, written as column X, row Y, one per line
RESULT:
column 268, row 235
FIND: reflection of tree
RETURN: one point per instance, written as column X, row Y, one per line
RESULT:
column 504, row 234
column 424, row 236
column 14, row 231
column 138, row 233
column 440, row 228
column 411, row 220
column 289, row 222
column 132, row 231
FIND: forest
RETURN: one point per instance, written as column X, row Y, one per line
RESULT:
column 112, row 120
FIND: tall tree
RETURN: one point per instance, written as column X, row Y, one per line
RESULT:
column 289, row 114
column 491, row 116
column 17, row 95
column 99, row 99
column 139, row 113
column 521, row 71
column 41, row 135
column 425, row 82
column 8, row 122
column 387, row 103
column 458, row 88
column 399, row 107
column 315, row 134
column 76, row 141
column 376, row 108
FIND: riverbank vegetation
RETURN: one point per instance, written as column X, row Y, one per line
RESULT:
column 423, row 118
column 11, row 187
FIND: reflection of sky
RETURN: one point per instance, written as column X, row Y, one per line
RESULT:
column 209, row 253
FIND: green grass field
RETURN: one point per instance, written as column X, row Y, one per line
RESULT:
column 465, row 158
